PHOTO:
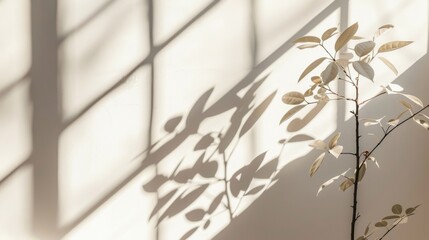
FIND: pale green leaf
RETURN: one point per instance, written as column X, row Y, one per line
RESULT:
column 330, row 181
column 346, row 184
column 414, row 99
column 318, row 144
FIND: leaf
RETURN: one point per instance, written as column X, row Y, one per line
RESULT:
column 268, row 169
column 336, row 151
column 208, row 169
column 362, row 172
column 414, row 99
column 316, row 164
column 155, row 183
column 311, row 67
column 255, row 190
column 346, row 55
column 391, row 46
column 216, row 201
column 361, row 238
column 328, row 33
column 291, row 112
column 401, row 221
column 391, row 217
column 411, row 210
column 171, row 124
column 330, row 181
column 389, row 65
column 364, row 69
column 207, row 224
column 422, row 123
column 189, row 233
column 363, row 48
column 161, row 202
column 293, row 98
column 309, row 45
column 316, row 79
column 346, row 184
column 330, row 73
column 393, row 122
column 204, row 142
column 371, row 121
column 395, row 87
column 346, row 36
column 367, row 229
column 371, row 158
column 307, row 39
column 397, row 209
column 383, row 29
column 406, row 104
column 334, row 140
column 318, row 144
column 256, row 114
column 195, row 215
column 381, row 224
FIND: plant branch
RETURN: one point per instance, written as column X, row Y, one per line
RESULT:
column 390, row 229
column 228, row 200
column 369, row 99
column 357, row 166
column 388, row 132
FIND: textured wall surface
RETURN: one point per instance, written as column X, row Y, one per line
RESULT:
column 120, row 119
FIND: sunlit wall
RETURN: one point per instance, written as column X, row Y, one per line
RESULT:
column 100, row 97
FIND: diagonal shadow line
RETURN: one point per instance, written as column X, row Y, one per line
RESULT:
column 13, row 171
column 147, row 60
column 85, row 22
column 173, row 143
column 10, row 87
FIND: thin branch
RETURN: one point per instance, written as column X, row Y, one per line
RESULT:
column 369, row 99
column 390, row 229
column 389, row 131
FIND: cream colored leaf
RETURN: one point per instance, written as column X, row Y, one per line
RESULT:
column 357, row 38
column 399, row 221
column 364, row 69
column 316, row 79
column 346, row 184
column 330, row 181
column 309, row 45
column 308, row 93
column 346, row 36
column 328, row 33
column 307, row 39
column 393, row 122
column 334, row 140
column 362, row 172
column 422, row 123
column 395, row 87
column 330, row 73
column 389, row 65
column 371, row 158
column 311, row 67
column 391, row 46
column 371, row 121
column 318, row 144
column 363, row 48
column 293, row 98
column 413, row 98
column 383, row 29
column 336, row 151
column 346, row 55
column 406, row 104
column 291, row 112
column 316, row 164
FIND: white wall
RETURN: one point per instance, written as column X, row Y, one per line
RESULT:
column 111, row 53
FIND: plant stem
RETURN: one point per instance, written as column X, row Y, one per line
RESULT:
column 357, row 154
column 390, row 229
column 228, row 200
